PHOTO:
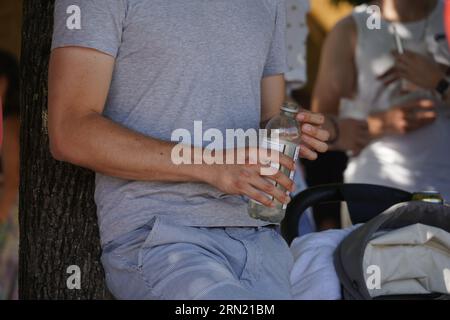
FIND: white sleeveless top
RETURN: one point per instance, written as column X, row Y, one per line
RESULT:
column 419, row 161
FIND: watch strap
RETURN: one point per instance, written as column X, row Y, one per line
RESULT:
column 443, row 86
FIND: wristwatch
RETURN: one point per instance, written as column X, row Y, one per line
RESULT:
column 442, row 87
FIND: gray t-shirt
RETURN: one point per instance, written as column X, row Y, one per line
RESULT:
column 177, row 62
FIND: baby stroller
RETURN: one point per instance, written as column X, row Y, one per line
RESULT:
column 365, row 202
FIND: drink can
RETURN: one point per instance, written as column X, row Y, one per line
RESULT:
column 428, row 196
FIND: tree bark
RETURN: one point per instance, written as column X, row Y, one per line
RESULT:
column 58, row 223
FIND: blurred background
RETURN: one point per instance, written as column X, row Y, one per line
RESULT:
column 309, row 23
column 10, row 42
column 10, row 25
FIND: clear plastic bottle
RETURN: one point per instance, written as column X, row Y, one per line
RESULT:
column 283, row 134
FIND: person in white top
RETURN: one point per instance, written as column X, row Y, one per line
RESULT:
column 383, row 84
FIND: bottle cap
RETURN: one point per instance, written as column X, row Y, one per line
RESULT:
column 290, row 107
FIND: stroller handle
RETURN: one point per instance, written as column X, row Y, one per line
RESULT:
column 364, row 202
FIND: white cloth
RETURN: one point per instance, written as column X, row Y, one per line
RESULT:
column 406, row 258
column 418, row 161
column 313, row 276
column 411, row 260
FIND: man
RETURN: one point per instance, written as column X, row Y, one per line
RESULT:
column 124, row 75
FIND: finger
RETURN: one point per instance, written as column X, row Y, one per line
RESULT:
column 414, row 105
column 311, row 117
column 425, row 115
column 316, row 132
column 287, row 162
column 258, row 196
column 282, row 180
column 315, row 144
column 307, row 153
column 389, row 73
column 389, row 77
column 389, row 80
column 404, row 74
column 417, row 107
column 268, row 156
column 426, row 104
column 268, row 188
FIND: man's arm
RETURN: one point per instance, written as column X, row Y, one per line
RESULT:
column 79, row 80
column 273, row 91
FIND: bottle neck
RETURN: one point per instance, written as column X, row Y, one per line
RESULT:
column 288, row 114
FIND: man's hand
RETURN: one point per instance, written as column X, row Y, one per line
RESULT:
column 402, row 119
column 246, row 179
column 416, row 68
column 353, row 136
column 312, row 135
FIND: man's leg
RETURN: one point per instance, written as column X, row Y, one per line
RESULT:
column 269, row 262
column 176, row 262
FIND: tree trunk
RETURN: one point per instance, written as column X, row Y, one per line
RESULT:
column 58, row 223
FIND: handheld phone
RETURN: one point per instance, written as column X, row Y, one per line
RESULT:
column 401, row 50
column 398, row 42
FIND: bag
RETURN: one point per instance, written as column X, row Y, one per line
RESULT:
column 349, row 255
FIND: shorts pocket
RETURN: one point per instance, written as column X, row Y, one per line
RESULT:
column 284, row 250
column 124, row 251
column 121, row 263
column 150, row 241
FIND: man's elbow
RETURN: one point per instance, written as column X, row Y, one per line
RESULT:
column 66, row 139
column 61, row 146
column 65, row 146
column 58, row 147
